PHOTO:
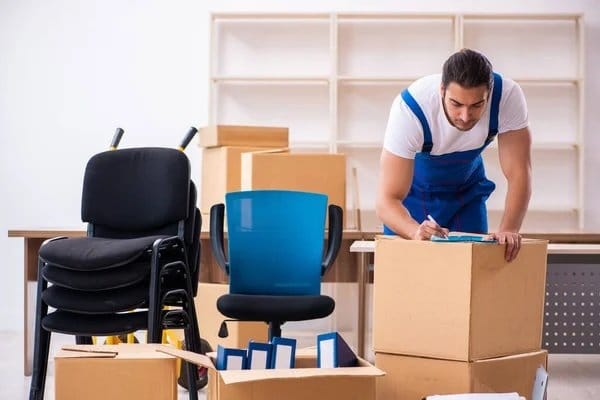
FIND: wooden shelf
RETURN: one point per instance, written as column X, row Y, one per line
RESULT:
column 332, row 77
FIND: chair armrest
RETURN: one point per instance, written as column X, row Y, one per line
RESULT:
column 45, row 242
column 217, row 214
column 335, row 237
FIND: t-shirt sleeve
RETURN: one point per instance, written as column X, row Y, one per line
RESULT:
column 513, row 109
column 403, row 134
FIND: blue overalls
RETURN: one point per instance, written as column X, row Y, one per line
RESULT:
column 451, row 187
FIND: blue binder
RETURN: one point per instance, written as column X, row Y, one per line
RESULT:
column 334, row 352
column 230, row 358
column 284, row 353
column 259, row 355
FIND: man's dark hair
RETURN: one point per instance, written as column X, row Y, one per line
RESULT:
column 468, row 69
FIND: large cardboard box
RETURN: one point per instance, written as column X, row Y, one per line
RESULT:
column 116, row 372
column 311, row 172
column 414, row 378
column 234, row 135
column 221, row 173
column 458, row 301
column 210, row 319
column 149, row 372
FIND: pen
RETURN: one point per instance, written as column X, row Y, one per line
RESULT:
column 429, row 217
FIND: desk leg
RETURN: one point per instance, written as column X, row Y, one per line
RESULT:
column 31, row 248
column 363, row 276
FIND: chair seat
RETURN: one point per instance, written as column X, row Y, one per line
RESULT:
column 100, row 302
column 125, row 275
column 275, row 308
column 93, row 253
column 95, row 325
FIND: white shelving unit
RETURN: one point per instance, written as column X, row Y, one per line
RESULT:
column 331, row 78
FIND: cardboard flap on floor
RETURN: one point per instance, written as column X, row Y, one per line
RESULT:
column 194, row 358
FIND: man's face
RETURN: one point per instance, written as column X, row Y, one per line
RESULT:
column 464, row 106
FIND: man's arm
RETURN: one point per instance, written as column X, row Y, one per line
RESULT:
column 396, row 174
column 514, row 150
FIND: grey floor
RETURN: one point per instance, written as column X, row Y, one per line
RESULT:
column 572, row 377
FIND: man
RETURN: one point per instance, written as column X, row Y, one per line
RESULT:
column 431, row 161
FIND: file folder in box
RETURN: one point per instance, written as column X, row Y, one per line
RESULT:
column 259, row 355
column 284, row 353
column 228, row 359
column 334, row 352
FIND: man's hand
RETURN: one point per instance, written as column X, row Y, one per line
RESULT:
column 427, row 229
column 513, row 243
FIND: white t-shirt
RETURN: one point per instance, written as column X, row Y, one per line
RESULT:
column 404, row 133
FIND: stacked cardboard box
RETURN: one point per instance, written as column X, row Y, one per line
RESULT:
column 223, row 146
column 251, row 158
column 457, row 318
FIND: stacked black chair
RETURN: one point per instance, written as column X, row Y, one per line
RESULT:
column 141, row 253
column 276, row 256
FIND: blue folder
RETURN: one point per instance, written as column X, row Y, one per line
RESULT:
column 463, row 238
column 284, row 353
column 334, row 352
column 259, row 355
column 230, row 358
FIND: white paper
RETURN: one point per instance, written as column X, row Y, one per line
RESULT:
column 258, row 359
column 476, row 396
column 326, row 348
column 234, row 362
column 283, row 356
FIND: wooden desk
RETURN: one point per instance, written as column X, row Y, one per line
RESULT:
column 366, row 247
column 342, row 271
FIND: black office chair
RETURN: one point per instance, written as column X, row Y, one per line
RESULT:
column 276, row 258
column 141, row 253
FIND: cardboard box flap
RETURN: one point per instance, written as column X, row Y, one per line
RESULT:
column 90, row 351
column 194, row 358
column 280, row 150
column 242, row 135
column 240, row 376
column 122, row 350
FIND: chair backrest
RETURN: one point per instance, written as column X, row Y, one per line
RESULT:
column 275, row 241
column 136, row 192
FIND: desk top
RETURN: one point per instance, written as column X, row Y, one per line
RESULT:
column 47, row 233
column 580, row 237
column 368, row 246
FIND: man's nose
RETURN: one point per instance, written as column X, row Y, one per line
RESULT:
column 465, row 114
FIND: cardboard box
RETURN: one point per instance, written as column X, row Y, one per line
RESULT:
column 210, row 319
column 301, row 383
column 149, row 372
column 116, row 372
column 311, row 172
column 457, row 301
column 414, row 378
column 233, row 135
column 221, row 173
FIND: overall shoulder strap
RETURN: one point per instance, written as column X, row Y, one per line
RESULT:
column 494, row 108
column 416, row 109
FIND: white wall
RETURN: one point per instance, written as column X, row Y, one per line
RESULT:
column 72, row 71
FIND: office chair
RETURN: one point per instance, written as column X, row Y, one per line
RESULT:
column 275, row 249
column 140, row 254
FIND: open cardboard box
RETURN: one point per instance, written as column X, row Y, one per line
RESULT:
column 149, row 372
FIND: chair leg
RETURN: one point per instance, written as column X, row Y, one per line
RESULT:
column 83, row 340
column 191, row 370
column 154, row 306
column 42, row 343
column 274, row 330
